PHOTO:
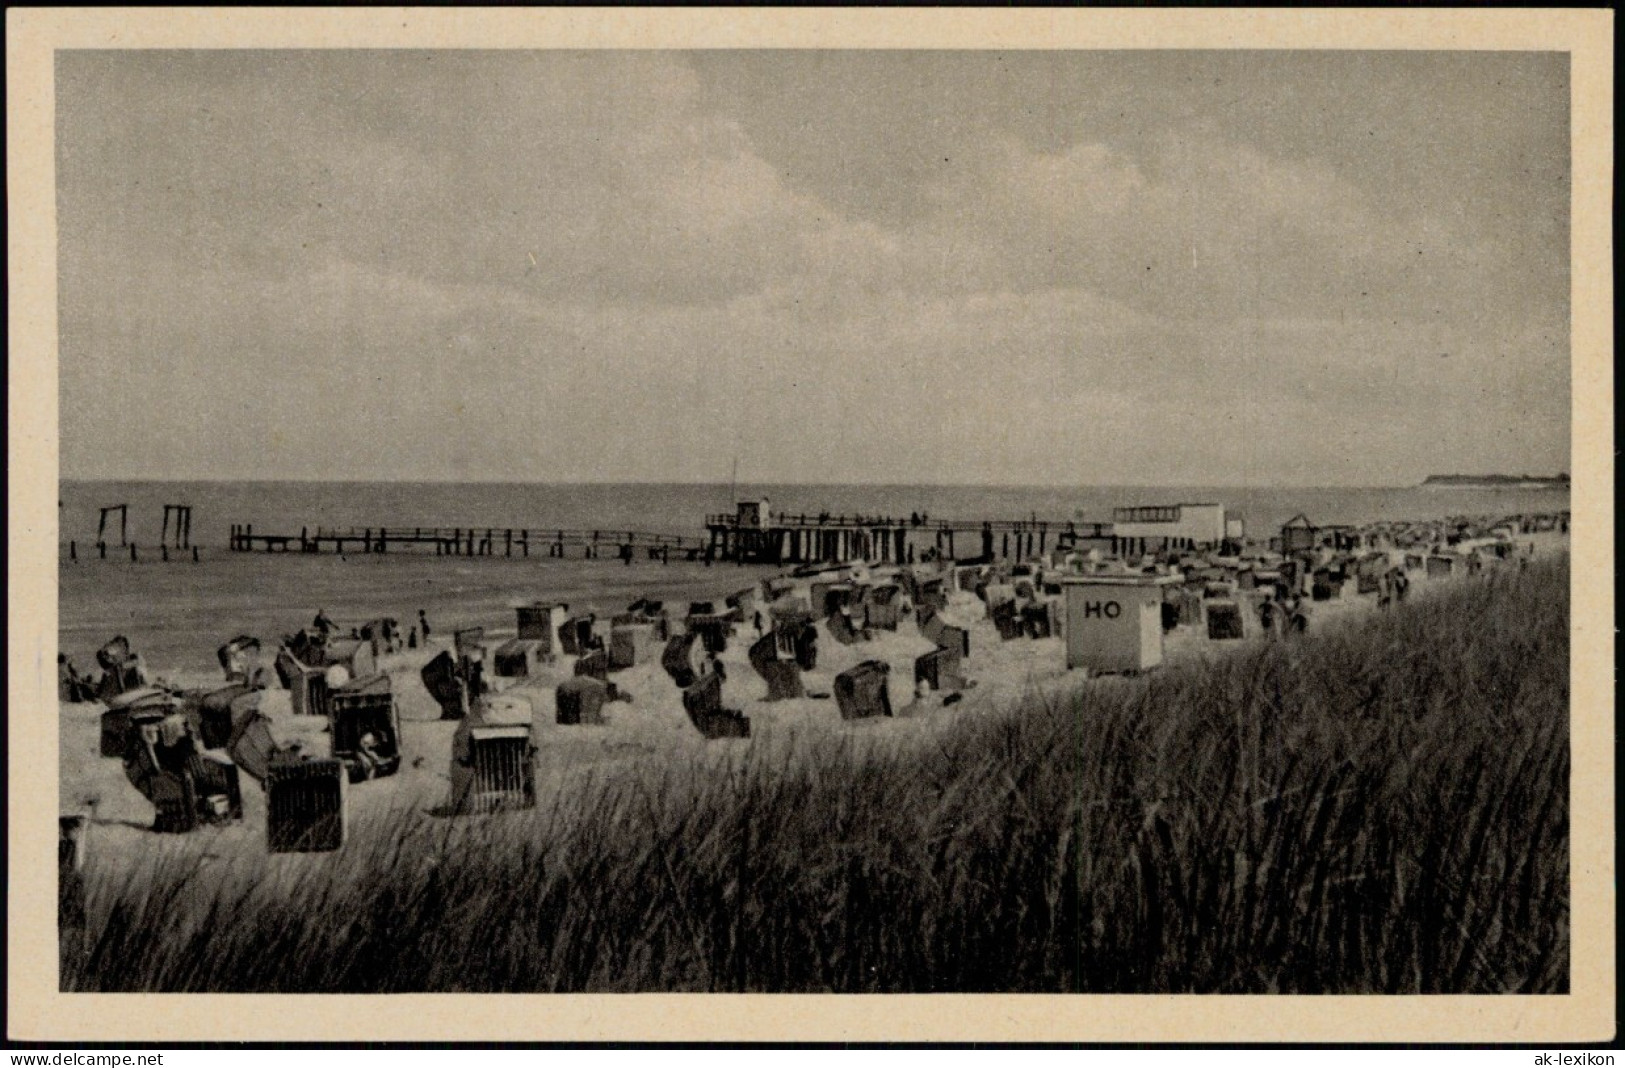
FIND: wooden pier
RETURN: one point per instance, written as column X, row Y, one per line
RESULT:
column 800, row 539
column 824, row 538
column 471, row 541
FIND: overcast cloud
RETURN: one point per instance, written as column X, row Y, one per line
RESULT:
column 1058, row 267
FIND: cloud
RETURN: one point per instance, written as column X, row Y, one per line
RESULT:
column 600, row 266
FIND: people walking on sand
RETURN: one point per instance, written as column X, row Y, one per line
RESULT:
column 412, row 638
column 423, row 625
column 323, row 623
column 1402, row 585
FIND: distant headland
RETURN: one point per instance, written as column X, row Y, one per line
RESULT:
column 1557, row 481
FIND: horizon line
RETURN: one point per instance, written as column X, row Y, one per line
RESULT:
column 796, row 484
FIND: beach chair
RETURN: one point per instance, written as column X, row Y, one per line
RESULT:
column 253, row 748
column 594, row 665
column 845, row 628
column 883, row 607
column 122, row 670
column 186, row 787
column 1006, row 619
column 779, row 671
column 240, row 659
column 1224, row 622
column 942, row 669
column 218, row 787
column 624, row 642
column 943, row 634
column 307, row 684
column 580, row 700
column 1038, row 620
column 445, row 681
column 712, row 631
column 860, row 692
column 469, row 643
column 504, row 776
column 354, row 655
column 678, row 660
column 1170, row 615
column 366, row 728
column 519, row 658
column 930, row 593
column 703, row 703
column 542, row 622
column 306, row 805
column 575, row 635
column 742, row 602
column 217, row 712
column 116, row 724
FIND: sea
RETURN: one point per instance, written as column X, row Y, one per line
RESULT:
column 284, row 507
column 177, row 613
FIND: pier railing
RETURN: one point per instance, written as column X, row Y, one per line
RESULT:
column 926, row 525
column 463, row 541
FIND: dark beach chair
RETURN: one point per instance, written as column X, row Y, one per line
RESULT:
column 703, row 703
column 860, row 692
column 594, row 665
column 306, row 805
column 781, row 673
column 941, row 668
column 1224, row 621
column 366, row 728
column 678, row 660
column 504, row 773
column 580, row 700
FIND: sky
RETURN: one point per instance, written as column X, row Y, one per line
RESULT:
column 1062, row 268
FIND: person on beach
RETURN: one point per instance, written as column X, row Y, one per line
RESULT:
column 423, row 625
column 71, row 685
column 1402, row 585
column 412, row 638
column 1266, row 616
column 323, row 623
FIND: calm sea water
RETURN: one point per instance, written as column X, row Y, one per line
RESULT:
column 283, row 507
column 176, row 613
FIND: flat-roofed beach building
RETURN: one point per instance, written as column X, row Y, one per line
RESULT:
column 1150, row 528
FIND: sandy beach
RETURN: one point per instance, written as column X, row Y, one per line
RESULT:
column 176, row 630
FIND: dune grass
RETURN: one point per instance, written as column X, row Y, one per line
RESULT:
column 1382, row 807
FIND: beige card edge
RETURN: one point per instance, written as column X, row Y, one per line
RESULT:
column 37, row 1011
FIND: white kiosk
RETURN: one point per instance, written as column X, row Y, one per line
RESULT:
column 1114, row 622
